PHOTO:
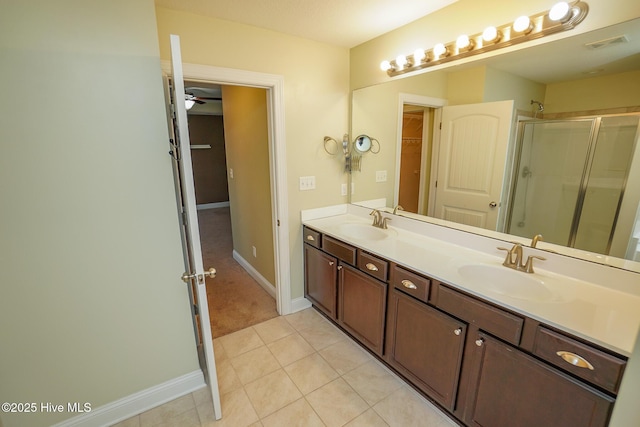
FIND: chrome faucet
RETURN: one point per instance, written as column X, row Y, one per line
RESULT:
column 514, row 259
column 378, row 220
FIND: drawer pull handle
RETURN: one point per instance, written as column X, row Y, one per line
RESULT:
column 371, row 267
column 575, row 360
column 458, row 331
column 479, row 342
column 408, row 284
column 310, row 238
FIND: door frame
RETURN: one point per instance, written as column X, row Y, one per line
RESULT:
column 423, row 101
column 274, row 85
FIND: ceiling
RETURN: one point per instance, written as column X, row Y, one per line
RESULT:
column 345, row 23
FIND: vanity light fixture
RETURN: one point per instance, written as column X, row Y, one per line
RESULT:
column 562, row 16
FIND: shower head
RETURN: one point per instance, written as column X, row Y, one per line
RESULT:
column 540, row 105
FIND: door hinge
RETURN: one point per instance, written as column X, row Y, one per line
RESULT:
column 440, row 126
column 436, row 184
column 196, row 311
column 278, row 222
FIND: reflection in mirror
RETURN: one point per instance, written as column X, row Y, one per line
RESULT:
column 581, row 195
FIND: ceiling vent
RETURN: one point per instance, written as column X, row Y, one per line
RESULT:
column 607, row 42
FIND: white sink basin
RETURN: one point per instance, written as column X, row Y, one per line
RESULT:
column 505, row 281
column 365, row 231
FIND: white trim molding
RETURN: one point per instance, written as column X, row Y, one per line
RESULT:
column 277, row 158
column 262, row 281
column 137, row 403
column 213, row 205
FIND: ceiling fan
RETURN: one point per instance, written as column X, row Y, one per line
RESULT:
column 199, row 95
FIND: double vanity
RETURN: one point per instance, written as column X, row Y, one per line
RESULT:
column 493, row 346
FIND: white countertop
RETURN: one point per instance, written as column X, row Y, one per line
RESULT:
column 608, row 315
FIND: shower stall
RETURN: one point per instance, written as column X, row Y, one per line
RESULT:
column 570, row 177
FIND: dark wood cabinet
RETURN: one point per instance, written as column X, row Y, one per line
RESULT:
column 487, row 365
column 510, row 388
column 321, row 280
column 362, row 307
column 425, row 346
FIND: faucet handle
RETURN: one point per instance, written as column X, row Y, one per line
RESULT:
column 383, row 224
column 376, row 217
column 528, row 267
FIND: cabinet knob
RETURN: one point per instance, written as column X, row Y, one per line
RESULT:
column 310, row 238
column 331, row 263
column 575, row 360
column 408, row 284
column 479, row 342
column 339, row 267
column 371, row 267
column 458, row 331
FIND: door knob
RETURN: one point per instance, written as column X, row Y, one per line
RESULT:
column 209, row 273
column 493, row 204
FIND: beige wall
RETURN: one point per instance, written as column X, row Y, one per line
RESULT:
column 91, row 303
column 247, row 138
column 597, row 93
column 316, row 86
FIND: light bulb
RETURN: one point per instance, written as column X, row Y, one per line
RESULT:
column 401, row 61
column 385, row 65
column 439, row 50
column 560, row 11
column 491, row 34
column 418, row 56
column 522, row 24
column 463, row 42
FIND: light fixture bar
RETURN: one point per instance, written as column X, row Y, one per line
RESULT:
column 540, row 25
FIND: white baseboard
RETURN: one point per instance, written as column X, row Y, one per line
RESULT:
column 266, row 285
column 137, row 403
column 299, row 304
column 212, row 205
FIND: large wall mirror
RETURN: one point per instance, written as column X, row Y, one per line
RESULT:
column 560, row 156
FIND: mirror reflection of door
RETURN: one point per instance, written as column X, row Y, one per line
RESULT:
column 415, row 158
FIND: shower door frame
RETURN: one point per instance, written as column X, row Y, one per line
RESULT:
column 584, row 181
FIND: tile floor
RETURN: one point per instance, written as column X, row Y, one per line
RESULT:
column 297, row 370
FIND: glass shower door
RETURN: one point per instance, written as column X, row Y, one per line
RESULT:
column 605, row 183
column 548, row 178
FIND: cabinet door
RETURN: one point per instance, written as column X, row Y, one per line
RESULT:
column 320, row 279
column 362, row 307
column 425, row 346
column 514, row 389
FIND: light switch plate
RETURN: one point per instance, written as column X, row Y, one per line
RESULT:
column 381, row 176
column 307, row 183
column 343, row 190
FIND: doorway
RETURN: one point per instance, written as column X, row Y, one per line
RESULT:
column 273, row 86
column 228, row 135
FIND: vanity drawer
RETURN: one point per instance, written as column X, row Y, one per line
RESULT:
column 373, row 265
column 491, row 319
column 582, row 360
column 340, row 250
column 312, row 237
column 410, row 283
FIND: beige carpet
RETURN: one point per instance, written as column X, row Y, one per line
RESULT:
column 236, row 300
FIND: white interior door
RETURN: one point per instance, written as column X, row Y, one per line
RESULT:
column 471, row 164
column 196, row 275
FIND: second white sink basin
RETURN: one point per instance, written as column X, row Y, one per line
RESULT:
column 504, row 281
column 365, row 231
